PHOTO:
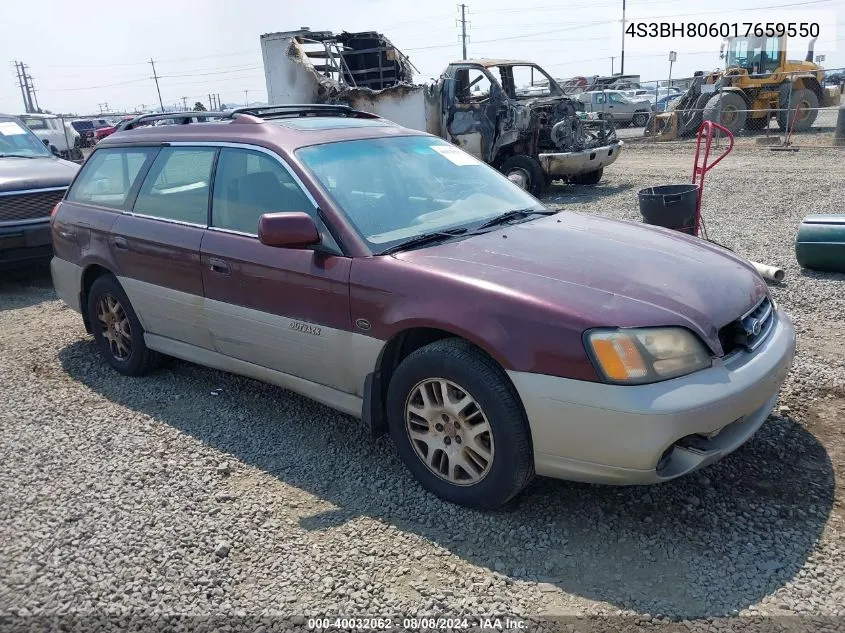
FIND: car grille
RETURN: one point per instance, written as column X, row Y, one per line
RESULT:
column 748, row 332
column 29, row 205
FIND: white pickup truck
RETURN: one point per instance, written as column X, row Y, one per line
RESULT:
column 56, row 133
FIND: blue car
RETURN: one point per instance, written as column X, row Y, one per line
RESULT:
column 661, row 104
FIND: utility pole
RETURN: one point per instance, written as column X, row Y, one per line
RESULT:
column 218, row 101
column 611, row 64
column 30, row 88
column 246, row 98
column 210, row 106
column 155, row 76
column 185, row 103
column 26, row 88
column 24, row 95
column 622, row 62
column 464, row 29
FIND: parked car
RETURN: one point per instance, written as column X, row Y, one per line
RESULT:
column 86, row 129
column 59, row 136
column 493, row 338
column 32, row 181
column 103, row 132
column 663, row 102
column 612, row 104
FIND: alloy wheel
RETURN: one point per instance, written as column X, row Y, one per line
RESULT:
column 115, row 327
column 449, row 431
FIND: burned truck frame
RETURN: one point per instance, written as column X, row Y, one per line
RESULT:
column 493, row 109
column 531, row 138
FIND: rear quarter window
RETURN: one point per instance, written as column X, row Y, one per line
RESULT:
column 109, row 175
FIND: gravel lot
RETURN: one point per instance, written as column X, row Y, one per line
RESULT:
column 200, row 493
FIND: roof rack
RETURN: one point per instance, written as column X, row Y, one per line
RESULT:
column 302, row 109
column 261, row 112
column 133, row 123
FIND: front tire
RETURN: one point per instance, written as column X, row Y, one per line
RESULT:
column 459, row 426
column 640, row 119
column 117, row 330
column 588, row 178
column 727, row 109
column 525, row 172
column 808, row 103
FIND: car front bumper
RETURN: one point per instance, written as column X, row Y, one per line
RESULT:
column 643, row 434
column 24, row 242
column 564, row 164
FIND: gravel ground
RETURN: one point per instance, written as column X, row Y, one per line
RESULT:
column 200, row 493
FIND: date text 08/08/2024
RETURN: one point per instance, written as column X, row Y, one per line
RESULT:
column 722, row 29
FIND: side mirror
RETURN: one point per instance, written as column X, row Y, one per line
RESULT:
column 288, row 229
column 46, row 142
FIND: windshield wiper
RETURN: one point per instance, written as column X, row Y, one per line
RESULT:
column 512, row 215
column 425, row 238
column 19, row 156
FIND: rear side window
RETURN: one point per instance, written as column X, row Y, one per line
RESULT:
column 177, row 185
column 109, row 175
column 35, row 123
column 249, row 184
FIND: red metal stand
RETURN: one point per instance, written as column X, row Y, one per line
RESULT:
column 702, row 167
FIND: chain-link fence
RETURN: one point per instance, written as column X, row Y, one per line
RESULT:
column 800, row 108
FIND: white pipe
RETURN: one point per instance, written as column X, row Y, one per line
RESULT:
column 772, row 273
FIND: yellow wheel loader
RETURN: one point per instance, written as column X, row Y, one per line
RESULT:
column 757, row 84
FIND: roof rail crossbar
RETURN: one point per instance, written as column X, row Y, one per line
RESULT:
column 303, row 109
column 175, row 115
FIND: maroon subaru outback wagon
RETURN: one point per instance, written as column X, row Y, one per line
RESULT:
column 391, row 276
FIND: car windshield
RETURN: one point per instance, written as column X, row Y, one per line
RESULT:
column 17, row 140
column 412, row 185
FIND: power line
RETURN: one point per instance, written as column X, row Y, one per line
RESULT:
column 122, row 83
column 221, row 72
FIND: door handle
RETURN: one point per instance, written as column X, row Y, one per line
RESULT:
column 219, row 266
column 121, row 243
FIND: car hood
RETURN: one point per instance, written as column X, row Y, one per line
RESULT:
column 17, row 174
column 606, row 273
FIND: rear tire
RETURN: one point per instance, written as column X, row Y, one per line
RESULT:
column 458, row 425
column 526, row 172
column 588, row 178
column 117, row 330
column 727, row 109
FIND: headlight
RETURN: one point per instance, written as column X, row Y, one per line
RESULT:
column 644, row 355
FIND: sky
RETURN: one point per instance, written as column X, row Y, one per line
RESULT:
column 98, row 53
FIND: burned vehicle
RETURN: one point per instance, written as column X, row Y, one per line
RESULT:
column 509, row 113
column 533, row 139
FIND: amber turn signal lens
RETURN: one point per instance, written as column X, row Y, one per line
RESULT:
column 619, row 357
